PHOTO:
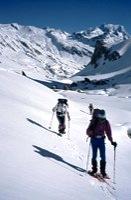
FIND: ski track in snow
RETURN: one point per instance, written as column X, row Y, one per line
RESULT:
column 107, row 188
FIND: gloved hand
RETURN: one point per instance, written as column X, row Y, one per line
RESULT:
column 114, row 144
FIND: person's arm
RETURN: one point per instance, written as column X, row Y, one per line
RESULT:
column 89, row 131
column 68, row 115
column 54, row 108
column 109, row 134
column 108, row 131
column 67, row 112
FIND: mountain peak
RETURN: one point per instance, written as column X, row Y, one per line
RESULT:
column 110, row 34
column 112, row 28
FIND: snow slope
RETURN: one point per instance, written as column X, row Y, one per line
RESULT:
column 45, row 52
column 33, row 159
column 38, row 164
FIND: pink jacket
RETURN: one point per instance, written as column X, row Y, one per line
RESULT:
column 101, row 129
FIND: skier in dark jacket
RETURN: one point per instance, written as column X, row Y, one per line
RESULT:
column 98, row 128
column 61, row 110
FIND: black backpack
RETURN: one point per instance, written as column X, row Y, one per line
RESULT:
column 96, row 112
column 96, row 117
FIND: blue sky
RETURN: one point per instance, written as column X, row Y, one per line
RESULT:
column 67, row 15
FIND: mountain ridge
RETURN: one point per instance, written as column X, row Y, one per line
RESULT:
column 46, row 52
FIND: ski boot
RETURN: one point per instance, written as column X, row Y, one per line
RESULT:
column 102, row 169
column 94, row 168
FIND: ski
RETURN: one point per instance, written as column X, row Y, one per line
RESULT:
column 59, row 134
column 96, row 175
column 100, row 178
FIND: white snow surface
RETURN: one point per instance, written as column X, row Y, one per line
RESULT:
column 37, row 164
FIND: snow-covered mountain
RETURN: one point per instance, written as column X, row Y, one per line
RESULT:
column 108, row 33
column 109, row 66
column 48, row 52
column 52, row 53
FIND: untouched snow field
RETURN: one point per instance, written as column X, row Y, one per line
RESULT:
column 37, row 164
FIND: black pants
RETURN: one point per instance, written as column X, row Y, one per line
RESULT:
column 61, row 120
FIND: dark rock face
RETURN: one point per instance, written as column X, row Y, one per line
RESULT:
column 102, row 51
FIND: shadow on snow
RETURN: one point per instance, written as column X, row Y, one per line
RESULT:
column 48, row 154
column 37, row 124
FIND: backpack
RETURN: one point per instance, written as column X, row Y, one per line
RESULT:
column 97, row 117
column 95, row 114
column 61, row 107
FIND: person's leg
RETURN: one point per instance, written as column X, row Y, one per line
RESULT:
column 63, row 124
column 61, row 120
column 94, row 155
column 103, row 157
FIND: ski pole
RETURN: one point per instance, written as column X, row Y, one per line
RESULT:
column 114, row 166
column 50, row 125
column 88, row 155
column 84, row 112
column 68, row 133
